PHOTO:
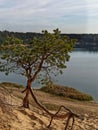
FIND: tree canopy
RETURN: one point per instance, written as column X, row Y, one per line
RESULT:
column 51, row 50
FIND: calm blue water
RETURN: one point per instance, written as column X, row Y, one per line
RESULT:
column 81, row 73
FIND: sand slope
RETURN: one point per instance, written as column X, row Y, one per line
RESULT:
column 15, row 117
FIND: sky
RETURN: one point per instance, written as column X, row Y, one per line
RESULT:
column 70, row 16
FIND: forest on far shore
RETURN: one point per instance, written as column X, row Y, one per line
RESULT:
column 83, row 40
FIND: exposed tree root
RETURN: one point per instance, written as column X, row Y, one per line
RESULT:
column 68, row 115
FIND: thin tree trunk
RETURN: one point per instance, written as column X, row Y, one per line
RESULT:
column 26, row 98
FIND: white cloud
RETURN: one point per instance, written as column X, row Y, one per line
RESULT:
column 47, row 13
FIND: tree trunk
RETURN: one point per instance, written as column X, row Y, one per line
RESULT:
column 26, row 98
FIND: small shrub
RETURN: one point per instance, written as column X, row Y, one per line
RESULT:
column 67, row 92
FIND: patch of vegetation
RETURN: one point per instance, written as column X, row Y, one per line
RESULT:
column 66, row 92
column 51, row 106
column 8, row 84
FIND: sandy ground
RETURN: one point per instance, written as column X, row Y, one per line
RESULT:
column 15, row 117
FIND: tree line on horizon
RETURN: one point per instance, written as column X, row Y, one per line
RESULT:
column 83, row 40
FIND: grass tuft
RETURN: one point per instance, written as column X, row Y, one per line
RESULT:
column 8, row 84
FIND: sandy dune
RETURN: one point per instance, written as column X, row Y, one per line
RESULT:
column 15, row 117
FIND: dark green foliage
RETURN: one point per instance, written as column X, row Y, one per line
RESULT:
column 46, row 53
column 12, row 40
column 84, row 40
column 67, row 92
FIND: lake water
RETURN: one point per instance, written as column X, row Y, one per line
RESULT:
column 81, row 73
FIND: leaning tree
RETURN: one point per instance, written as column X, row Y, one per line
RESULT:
column 44, row 55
